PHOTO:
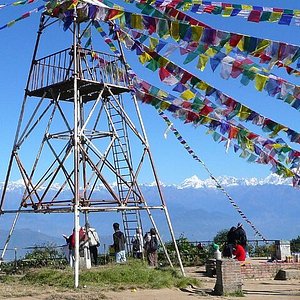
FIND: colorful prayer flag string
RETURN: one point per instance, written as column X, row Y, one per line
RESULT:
column 253, row 13
column 187, row 84
column 218, row 185
column 24, row 16
column 248, row 142
column 16, row 3
column 231, row 67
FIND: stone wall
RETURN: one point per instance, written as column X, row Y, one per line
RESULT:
column 230, row 273
column 229, row 279
column 265, row 270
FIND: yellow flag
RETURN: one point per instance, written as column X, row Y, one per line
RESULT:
column 288, row 173
column 196, row 32
column 228, row 48
column 164, row 105
column 144, row 57
column 227, row 11
column 262, row 45
column 247, row 7
column 203, row 59
column 187, row 95
column 162, row 94
column 260, row 81
column 275, row 16
column 202, row 85
column 174, row 30
column 211, row 52
column 153, row 43
column 137, row 22
column 244, row 112
column 205, row 120
column 162, row 61
column 187, row 6
column 248, row 144
column 277, row 129
column 277, row 146
column 240, row 45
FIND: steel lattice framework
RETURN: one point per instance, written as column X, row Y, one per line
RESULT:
column 74, row 110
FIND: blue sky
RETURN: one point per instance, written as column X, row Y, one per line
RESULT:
column 172, row 161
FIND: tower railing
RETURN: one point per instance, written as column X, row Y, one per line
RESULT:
column 93, row 66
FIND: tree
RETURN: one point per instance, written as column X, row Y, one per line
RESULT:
column 295, row 244
column 221, row 237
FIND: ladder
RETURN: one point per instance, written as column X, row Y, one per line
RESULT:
column 123, row 166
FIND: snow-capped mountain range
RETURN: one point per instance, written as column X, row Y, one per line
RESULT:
column 191, row 182
column 226, row 181
column 196, row 207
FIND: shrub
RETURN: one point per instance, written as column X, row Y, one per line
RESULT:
column 295, row 244
column 47, row 255
column 190, row 254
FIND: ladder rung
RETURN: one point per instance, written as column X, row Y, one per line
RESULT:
column 130, row 213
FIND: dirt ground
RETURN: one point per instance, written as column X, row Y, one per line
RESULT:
column 253, row 290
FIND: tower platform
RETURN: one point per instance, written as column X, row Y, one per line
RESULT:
column 53, row 75
column 89, row 90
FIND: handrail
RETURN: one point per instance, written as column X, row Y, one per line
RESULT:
column 94, row 66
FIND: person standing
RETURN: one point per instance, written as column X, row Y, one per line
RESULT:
column 137, row 244
column 94, row 242
column 119, row 244
column 231, row 238
column 82, row 242
column 151, row 246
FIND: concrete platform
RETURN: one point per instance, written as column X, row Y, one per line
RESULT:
column 287, row 274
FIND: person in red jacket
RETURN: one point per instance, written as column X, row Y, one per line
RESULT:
column 239, row 252
column 82, row 237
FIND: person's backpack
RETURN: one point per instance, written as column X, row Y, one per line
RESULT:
column 153, row 244
column 136, row 244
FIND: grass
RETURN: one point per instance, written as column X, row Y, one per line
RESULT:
column 134, row 274
column 235, row 294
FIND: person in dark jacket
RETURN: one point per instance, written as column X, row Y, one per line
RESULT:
column 119, row 244
column 228, row 249
column 151, row 246
column 240, row 236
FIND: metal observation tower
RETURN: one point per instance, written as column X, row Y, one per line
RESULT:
column 75, row 124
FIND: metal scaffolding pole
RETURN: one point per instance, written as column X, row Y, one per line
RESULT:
column 76, row 153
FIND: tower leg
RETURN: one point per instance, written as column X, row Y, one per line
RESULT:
column 76, row 254
column 76, row 153
column 10, row 234
column 159, row 237
column 174, row 240
column 160, row 192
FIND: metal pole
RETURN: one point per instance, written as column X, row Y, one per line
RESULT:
column 10, row 234
column 104, row 249
column 16, row 263
column 159, row 188
column 159, row 237
column 76, row 154
column 174, row 241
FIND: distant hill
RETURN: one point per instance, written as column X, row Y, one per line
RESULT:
column 197, row 209
column 23, row 240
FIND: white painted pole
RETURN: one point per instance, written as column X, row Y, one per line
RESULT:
column 76, row 154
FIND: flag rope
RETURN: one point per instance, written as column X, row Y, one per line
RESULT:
column 218, row 185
